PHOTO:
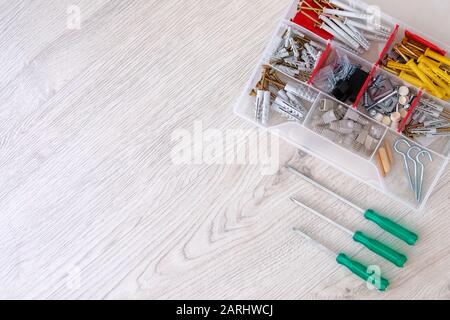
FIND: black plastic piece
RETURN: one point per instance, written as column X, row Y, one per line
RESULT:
column 350, row 88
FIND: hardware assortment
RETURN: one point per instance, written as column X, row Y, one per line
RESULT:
column 403, row 109
column 341, row 78
column 351, row 25
column 429, row 120
column 332, row 85
column 287, row 99
column 345, row 127
column 297, row 55
column 387, row 103
column 419, row 64
column 325, row 74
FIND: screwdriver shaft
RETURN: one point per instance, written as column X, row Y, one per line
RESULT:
column 315, row 242
column 321, row 216
column 323, row 188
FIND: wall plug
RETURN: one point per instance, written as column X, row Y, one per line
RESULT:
column 312, row 52
column 297, row 102
column 288, row 112
column 288, row 70
column 259, row 105
column 353, row 115
column 349, row 139
column 288, row 37
column 343, row 126
column 307, row 59
column 333, row 136
column 340, row 112
column 301, row 92
column 265, row 114
column 318, row 121
column 294, row 48
column 283, row 95
column 282, row 53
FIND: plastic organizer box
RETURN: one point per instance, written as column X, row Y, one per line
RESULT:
column 306, row 130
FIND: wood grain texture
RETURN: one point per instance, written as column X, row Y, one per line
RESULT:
column 93, row 207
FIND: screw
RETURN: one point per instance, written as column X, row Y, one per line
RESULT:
column 366, row 99
column 389, row 96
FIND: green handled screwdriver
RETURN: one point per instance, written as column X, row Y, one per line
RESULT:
column 373, row 245
column 355, row 267
column 371, row 215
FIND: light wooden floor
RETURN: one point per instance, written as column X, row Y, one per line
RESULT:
column 91, row 205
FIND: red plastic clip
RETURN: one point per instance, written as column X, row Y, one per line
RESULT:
column 388, row 44
column 322, row 59
column 308, row 24
column 364, row 87
column 410, row 111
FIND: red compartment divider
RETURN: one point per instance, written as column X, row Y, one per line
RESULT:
column 388, row 44
column 306, row 23
column 364, row 87
column 322, row 59
column 425, row 42
column 410, row 111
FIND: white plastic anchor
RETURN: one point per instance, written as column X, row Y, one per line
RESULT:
column 347, row 14
column 341, row 32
